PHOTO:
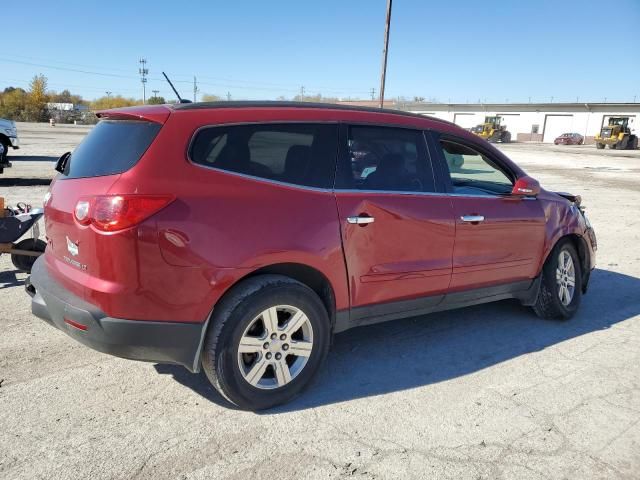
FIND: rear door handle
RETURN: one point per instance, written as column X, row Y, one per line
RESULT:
column 360, row 220
column 472, row 218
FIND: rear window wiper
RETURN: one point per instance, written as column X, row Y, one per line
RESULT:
column 61, row 164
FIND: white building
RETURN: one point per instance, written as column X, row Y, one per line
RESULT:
column 537, row 122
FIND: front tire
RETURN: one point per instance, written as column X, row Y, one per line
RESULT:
column 267, row 340
column 561, row 284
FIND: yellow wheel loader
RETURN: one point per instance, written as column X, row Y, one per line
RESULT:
column 492, row 131
column 617, row 135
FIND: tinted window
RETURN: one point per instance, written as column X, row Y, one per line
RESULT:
column 113, row 146
column 390, row 159
column 296, row 153
column 473, row 172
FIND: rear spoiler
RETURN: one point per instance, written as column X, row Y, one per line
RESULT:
column 151, row 113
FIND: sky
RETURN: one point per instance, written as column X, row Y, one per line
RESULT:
column 449, row 51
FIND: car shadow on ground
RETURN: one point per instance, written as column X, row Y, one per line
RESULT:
column 9, row 279
column 23, row 182
column 425, row 350
column 33, row 158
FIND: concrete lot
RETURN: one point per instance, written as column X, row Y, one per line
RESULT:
column 482, row 393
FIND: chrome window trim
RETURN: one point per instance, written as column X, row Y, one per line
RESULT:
column 329, row 189
column 429, row 194
column 262, row 179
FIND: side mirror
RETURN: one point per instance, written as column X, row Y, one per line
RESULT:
column 526, row 187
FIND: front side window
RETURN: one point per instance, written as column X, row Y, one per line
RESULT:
column 386, row 159
column 474, row 173
column 302, row 154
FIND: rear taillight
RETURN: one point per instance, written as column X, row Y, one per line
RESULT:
column 117, row 212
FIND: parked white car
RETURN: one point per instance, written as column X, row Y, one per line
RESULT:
column 8, row 139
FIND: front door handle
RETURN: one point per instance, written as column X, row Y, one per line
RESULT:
column 472, row 218
column 360, row 220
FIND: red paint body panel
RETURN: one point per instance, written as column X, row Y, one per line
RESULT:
column 177, row 264
column 505, row 247
column 406, row 253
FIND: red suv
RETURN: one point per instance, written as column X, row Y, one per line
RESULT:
column 238, row 237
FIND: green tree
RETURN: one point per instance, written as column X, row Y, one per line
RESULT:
column 105, row 103
column 37, row 98
column 156, row 101
column 13, row 103
column 207, row 97
column 315, row 98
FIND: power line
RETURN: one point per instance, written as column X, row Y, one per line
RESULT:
column 251, row 85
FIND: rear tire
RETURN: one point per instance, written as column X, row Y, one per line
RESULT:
column 633, row 143
column 242, row 321
column 4, row 154
column 600, row 146
column 558, row 299
column 25, row 262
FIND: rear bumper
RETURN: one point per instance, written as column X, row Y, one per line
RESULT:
column 161, row 342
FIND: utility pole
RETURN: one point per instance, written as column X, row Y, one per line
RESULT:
column 383, row 74
column 228, row 96
column 195, row 89
column 143, row 71
column 373, row 94
column 302, row 93
column 108, row 94
column 155, row 93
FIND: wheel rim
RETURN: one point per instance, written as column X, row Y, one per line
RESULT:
column 275, row 347
column 565, row 277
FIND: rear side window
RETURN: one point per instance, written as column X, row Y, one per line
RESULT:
column 113, row 146
column 302, row 154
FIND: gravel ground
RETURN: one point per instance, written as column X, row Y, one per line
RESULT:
column 485, row 392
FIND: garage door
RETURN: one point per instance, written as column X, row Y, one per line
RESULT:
column 556, row 125
column 464, row 120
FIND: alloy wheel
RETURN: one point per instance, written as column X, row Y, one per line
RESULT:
column 275, row 347
column 565, row 277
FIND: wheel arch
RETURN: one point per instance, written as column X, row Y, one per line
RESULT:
column 305, row 274
column 580, row 244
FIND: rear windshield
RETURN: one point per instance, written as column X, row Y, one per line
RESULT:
column 113, row 146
